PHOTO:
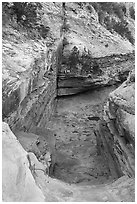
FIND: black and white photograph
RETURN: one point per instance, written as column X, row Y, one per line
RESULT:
column 68, row 101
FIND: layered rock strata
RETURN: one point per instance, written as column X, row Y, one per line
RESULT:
column 95, row 73
column 90, row 56
column 28, row 94
column 80, row 67
column 29, row 91
column 101, row 72
column 116, row 133
column 35, row 109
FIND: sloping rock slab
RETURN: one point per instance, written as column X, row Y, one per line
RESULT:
column 18, row 184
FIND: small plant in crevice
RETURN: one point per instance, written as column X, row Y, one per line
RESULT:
column 80, row 63
column 95, row 67
column 132, row 12
column 111, row 8
column 123, row 30
column 86, row 62
column 64, row 28
column 73, row 59
column 101, row 17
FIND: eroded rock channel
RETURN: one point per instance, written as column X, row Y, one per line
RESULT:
column 68, row 104
column 75, row 122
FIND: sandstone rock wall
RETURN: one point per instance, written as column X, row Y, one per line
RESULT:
column 30, row 101
column 103, row 71
column 89, row 55
column 29, row 93
column 36, row 109
column 29, row 88
column 23, row 69
column 116, row 133
column 18, row 184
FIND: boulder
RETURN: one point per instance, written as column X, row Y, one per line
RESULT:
column 123, row 187
column 48, row 137
column 40, row 141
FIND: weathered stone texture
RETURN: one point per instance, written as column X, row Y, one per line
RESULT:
column 119, row 121
column 18, row 184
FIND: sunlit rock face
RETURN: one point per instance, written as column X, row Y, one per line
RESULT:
column 26, row 85
column 24, row 65
column 117, row 130
column 90, row 55
column 18, row 184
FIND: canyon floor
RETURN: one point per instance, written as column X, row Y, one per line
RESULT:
column 74, row 123
column 80, row 173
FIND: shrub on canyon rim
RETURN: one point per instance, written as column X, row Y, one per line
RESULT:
column 122, row 29
column 26, row 14
column 112, row 16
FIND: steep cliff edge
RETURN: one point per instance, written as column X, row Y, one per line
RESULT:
column 116, row 134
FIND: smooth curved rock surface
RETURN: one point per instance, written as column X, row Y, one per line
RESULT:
column 18, row 184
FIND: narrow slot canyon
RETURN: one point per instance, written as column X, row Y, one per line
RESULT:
column 68, row 102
